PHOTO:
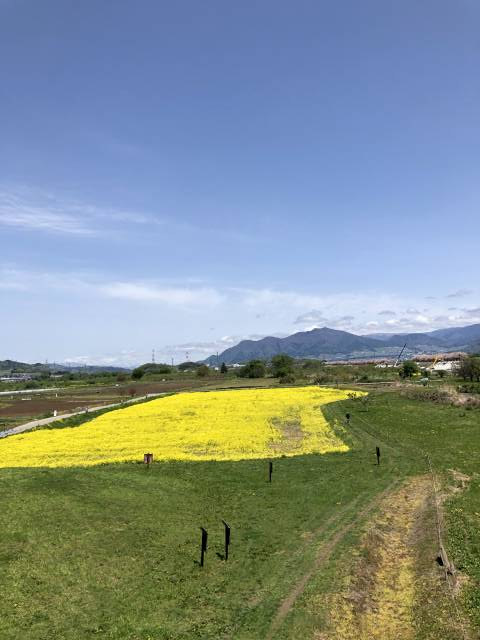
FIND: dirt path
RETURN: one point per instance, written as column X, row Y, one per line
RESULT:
column 323, row 555
column 378, row 602
column 395, row 575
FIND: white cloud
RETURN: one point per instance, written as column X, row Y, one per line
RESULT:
column 123, row 358
column 31, row 209
column 15, row 211
column 34, row 210
column 460, row 293
column 141, row 292
column 310, row 317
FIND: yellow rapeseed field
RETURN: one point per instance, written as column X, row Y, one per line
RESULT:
column 217, row 425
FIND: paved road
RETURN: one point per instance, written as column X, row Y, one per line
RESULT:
column 38, row 423
column 29, row 391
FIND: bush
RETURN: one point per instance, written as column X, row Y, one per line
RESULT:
column 203, row 371
column 440, row 396
column 281, row 365
column 185, row 366
column 223, row 368
column 253, row 369
column 150, row 368
column 32, row 385
column 321, row 378
column 469, row 387
column 469, row 368
column 289, row 378
column 408, row 369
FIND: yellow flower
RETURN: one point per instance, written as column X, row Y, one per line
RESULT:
column 218, row 425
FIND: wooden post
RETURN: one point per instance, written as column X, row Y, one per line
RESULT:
column 227, row 538
column 204, row 545
column 270, row 471
column 147, row 458
column 378, row 455
column 347, row 416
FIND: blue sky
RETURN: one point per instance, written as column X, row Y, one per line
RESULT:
column 181, row 175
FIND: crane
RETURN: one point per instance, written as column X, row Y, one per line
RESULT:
column 400, row 355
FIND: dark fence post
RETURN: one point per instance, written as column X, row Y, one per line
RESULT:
column 204, row 545
column 270, row 471
column 378, row 455
column 227, row 538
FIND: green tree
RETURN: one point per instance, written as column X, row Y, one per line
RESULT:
column 469, row 368
column 408, row 369
column 253, row 369
column 223, row 368
column 203, row 371
column 138, row 373
column 289, row 378
column 188, row 365
column 282, row 365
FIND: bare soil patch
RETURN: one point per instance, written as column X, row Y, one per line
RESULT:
column 292, row 434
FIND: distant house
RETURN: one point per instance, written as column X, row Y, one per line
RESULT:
column 17, row 377
column 445, row 365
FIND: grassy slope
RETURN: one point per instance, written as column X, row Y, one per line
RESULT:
column 110, row 551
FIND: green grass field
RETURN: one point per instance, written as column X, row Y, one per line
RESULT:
column 112, row 551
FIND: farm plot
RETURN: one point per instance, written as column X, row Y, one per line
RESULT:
column 221, row 425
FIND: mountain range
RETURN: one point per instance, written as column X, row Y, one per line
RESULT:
column 332, row 344
column 12, row 366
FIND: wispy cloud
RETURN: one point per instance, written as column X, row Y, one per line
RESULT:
column 35, row 210
column 311, row 317
column 15, row 211
column 460, row 293
column 387, row 312
column 144, row 292
column 189, row 294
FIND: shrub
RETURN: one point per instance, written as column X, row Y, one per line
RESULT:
column 184, row 366
column 321, row 378
column 203, row 371
column 281, row 365
column 253, row 369
column 469, row 368
column 408, row 369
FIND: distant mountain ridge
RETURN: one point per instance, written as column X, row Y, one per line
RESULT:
column 38, row 367
column 332, row 344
